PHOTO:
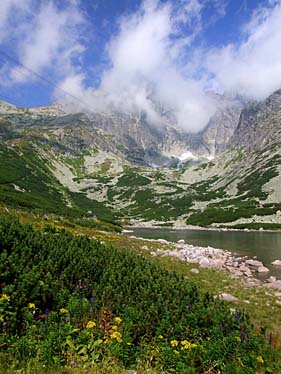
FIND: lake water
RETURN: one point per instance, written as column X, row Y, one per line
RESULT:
column 266, row 246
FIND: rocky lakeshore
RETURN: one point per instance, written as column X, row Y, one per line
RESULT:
column 214, row 258
column 151, row 225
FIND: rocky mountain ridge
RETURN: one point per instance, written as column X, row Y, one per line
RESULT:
column 93, row 163
column 132, row 135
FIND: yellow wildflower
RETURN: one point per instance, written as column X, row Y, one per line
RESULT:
column 117, row 336
column 90, row 325
column 63, row 311
column 1, row 318
column 31, row 305
column 176, row 352
column 129, row 343
column 41, row 283
column 187, row 345
column 5, row 297
column 260, row 360
column 174, row 343
column 114, row 328
column 118, row 320
column 160, row 337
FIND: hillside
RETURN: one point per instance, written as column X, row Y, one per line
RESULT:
column 99, row 163
column 76, row 308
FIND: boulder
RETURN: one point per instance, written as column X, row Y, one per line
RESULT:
column 276, row 263
column 227, row 297
column 263, row 269
column 195, row 271
column 276, row 285
column 254, row 263
column 237, row 273
column 271, row 279
column 163, row 241
column 244, row 269
column 181, row 241
column 217, row 264
column 248, row 273
column 193, row 261
column 204, row 263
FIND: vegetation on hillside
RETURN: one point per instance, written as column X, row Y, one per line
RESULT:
column 27, row 182
column 68, row 301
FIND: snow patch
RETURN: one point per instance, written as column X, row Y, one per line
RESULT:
column 187, row 156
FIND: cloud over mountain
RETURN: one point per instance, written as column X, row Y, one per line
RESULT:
column 157, row 53
column 145, row 67
column 253, row 66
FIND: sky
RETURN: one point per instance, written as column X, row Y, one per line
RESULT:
column 128, row 55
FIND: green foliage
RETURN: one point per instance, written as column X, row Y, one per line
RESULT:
column 26, row 181
column 99, row 209
column 237, row 157
column 204, row 192
column 70, row 300
column 35, row 188
column 253, row 183
column 76, row 163
column 132, row 179
column 95, row 224
column 258, row 225
column 231, row 210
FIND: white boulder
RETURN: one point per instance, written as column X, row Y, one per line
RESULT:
column 195, row 271
column 276, row 263
column 204, row 263
column 227, row 297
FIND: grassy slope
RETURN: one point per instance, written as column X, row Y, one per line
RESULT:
column 262, row 307
column 26, row 182
column 203, row 195
column 143, row 194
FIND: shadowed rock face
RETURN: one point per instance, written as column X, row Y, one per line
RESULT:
column 259, row 124
column 222, row 125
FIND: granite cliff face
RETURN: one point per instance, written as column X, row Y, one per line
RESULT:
column 259, row 124
column 214, row 138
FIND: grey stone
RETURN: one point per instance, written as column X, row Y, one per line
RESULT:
column 254, row 263
column 263, row 269
column 227, row 297
column 195, row 271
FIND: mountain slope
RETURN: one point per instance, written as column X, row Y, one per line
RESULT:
column 83, row 162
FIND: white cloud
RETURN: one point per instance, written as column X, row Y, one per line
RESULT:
column 153, row 58
column 145, row 68
column 51, row 40
column 11, row 12
column 43, row 36
column 252, row 68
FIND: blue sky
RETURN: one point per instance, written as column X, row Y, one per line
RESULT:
column 107, row 54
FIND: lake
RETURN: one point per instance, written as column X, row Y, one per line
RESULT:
column 266, row 246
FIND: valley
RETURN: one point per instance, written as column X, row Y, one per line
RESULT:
column 83, row 163
column 65, row 178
